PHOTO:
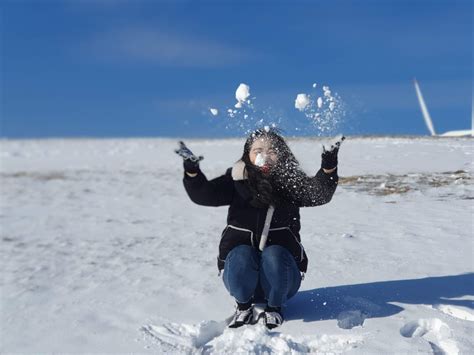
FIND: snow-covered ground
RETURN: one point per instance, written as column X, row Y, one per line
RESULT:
column 102, row 251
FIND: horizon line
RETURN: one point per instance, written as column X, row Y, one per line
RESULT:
column 223, row 138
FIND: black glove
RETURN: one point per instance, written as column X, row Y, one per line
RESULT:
column 329, row 156
column 190, row 161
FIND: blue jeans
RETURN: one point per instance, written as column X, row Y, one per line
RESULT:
column 270, row 276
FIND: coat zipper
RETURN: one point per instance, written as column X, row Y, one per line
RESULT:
column 257, row 234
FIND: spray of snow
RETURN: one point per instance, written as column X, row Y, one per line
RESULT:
column 323, row 109
column 244, row 117
column 327, row 91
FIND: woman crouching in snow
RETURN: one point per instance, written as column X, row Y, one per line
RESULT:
column 260, row 248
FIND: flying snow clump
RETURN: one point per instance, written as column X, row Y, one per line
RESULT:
column 302, row 100
column 241, row 94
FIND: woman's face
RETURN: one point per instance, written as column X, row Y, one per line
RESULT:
column 262, row 152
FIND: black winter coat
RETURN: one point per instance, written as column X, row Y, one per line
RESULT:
column 245, row 222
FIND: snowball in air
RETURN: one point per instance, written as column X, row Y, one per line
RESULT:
column 214, row 111
column 314, row 85
column 302, row 100
column 242, row 93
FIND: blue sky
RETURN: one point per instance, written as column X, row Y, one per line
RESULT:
column 104, row 68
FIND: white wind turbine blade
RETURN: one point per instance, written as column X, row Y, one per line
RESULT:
column 472, row 118
column 424, row 109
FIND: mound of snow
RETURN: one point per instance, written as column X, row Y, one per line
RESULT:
column 214, row 338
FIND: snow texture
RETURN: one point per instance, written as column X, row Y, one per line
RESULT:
column 103, row 252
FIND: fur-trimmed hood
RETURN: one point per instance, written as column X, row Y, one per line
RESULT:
column 238, row 171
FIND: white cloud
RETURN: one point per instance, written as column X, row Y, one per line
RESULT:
column 164, row 48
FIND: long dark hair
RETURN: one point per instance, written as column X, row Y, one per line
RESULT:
column 269, row 188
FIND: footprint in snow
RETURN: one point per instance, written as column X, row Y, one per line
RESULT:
column 455, row 311
column 435, row 332
column 350, row 319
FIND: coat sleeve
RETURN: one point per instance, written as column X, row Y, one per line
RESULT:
column 215, row 192
column 314, row 191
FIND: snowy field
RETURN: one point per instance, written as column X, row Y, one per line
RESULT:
column 102, row 251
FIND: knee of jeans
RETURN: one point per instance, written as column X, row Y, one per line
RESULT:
column 242, row 254
column 242, row 291
column 275, row 252
column 275, row 257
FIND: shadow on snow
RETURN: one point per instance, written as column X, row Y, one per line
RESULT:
column 374, row 299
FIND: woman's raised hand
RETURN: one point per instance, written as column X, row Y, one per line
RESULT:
column 330, row 151
column 190, row 161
